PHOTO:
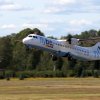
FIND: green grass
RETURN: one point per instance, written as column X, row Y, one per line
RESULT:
column 50, row 89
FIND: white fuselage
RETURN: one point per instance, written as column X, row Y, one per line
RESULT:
column 61, row 48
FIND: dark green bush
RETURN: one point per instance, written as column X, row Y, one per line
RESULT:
column 84, row 73
column 47, row 73
column 8, row 78
column 21, row 77
column 2, row 75
column 39, row 74
column 96, row 73
column 25, row 74
column 9, row 73
column 58, row 73
column 71, row 73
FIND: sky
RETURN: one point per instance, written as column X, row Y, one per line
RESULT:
column 53, row 17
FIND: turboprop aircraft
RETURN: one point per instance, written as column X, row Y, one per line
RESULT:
column 63, row 48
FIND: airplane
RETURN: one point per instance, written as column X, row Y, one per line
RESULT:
column 63, row 48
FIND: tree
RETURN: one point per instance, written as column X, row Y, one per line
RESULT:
column 59, row 63
column 46, row 62
column 5, row 52
column 37, row 31
column 13, row 56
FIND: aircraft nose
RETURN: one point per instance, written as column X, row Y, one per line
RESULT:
column 24, row 41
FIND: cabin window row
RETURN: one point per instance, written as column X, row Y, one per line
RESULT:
column 61, row 45
column 81, row 50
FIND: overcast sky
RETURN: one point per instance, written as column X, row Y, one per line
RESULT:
column 53, row 17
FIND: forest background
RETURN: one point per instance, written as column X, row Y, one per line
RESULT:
column 16, row 61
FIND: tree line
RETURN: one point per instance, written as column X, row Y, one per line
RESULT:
column 16, row 61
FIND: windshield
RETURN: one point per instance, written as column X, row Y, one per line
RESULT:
column 29, row 36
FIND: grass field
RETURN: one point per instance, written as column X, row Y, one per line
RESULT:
column 50, row 89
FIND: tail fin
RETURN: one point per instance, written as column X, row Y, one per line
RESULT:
column 96, row 46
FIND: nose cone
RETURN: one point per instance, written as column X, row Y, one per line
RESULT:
column 24, row 41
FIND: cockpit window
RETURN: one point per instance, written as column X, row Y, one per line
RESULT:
column 29, row 36
column 33, row 36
